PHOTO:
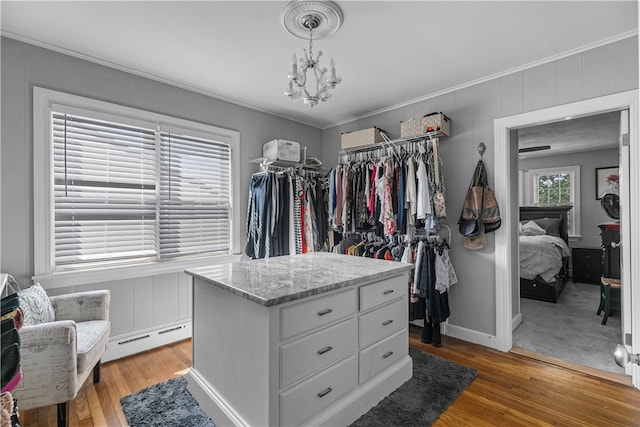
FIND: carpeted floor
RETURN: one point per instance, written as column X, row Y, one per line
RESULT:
column 570, row 330
column 435, row 385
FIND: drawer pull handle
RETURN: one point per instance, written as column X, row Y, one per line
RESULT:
column 388, row 291
column 325, row 311
column 387, row 322
column 387, row 354
column 324, row 392
column 324, row 350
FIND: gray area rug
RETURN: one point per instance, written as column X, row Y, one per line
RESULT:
column 166, row 404
column 435, row 385
column 570, row 330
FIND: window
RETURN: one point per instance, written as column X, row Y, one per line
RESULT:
column 558, row 186
column 195, row 213
column 104, row 190
column 117, row 185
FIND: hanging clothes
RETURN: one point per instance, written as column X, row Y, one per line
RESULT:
column 259, row 216
column 285, row 214
column 395, row 191
column 434, row 276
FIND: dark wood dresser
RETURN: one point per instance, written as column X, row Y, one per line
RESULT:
column 610, row 235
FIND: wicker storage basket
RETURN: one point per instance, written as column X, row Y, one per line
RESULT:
column 429, row 123
column 362, row 137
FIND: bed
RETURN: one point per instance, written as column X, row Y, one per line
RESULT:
column 544, row 252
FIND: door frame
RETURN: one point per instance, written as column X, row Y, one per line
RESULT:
column 506, row 247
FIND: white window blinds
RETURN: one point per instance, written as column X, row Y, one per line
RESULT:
column 125, row 191
column 195, row 194
column 104, row 190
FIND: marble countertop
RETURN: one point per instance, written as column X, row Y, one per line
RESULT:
column 273, row 281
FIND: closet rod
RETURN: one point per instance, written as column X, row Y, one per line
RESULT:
column 398, row 141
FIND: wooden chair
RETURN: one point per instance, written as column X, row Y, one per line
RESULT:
column 606, row 284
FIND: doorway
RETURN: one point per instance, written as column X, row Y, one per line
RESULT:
column 556, row 167
column 506, row 239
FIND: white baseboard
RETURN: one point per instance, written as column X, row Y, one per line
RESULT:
column 472, row 336
column 136, row 342
column 517, row 320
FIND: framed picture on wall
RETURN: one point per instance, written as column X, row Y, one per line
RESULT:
column 607, row 181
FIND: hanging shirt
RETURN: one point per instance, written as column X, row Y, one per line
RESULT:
column 332, row 197
column 389, row 220
column 445, row 274
column 411, row 198
column 372, row 191
column 339, row 198
column 292, row 221
column 423, row 202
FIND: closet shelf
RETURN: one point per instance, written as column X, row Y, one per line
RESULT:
column 262, row 161
column 369, row 147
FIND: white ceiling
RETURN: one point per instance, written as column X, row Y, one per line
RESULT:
column 590, row 133
column 387, row 52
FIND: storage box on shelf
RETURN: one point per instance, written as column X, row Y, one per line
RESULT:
column 281, row 149
column 363, row 137
column 429, row 123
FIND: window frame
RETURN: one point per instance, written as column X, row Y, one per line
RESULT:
column 574, row 171
column 44, row 262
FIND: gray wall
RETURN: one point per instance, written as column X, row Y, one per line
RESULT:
column 591, row 213
column 25, row 66
column 601, row 71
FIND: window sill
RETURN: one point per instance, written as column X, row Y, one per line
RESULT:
column 96, row 275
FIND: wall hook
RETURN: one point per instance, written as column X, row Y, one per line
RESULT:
column 481, row 149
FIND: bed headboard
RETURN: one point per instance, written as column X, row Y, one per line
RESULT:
column 537, row 212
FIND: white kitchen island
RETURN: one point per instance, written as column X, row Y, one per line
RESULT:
column 313, row 339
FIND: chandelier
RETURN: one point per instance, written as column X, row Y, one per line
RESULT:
column 306, row 19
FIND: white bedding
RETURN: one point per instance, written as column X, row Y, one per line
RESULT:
column 541, row 255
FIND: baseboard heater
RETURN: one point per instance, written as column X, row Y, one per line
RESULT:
column 136, row 342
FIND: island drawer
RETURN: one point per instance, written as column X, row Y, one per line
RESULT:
column 307, row 355
column 382, row 322
column 382, row 292
column 378, row 357
column 317, row 312
column 308, row 398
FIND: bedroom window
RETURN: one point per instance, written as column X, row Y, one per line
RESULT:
column 116, row 186
column 557, row 187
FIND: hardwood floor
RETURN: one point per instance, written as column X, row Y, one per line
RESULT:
column 510, row 390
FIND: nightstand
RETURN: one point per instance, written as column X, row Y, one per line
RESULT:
column 586, row 265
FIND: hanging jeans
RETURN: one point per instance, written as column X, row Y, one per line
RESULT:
column 280, row 239
column 259, row 217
